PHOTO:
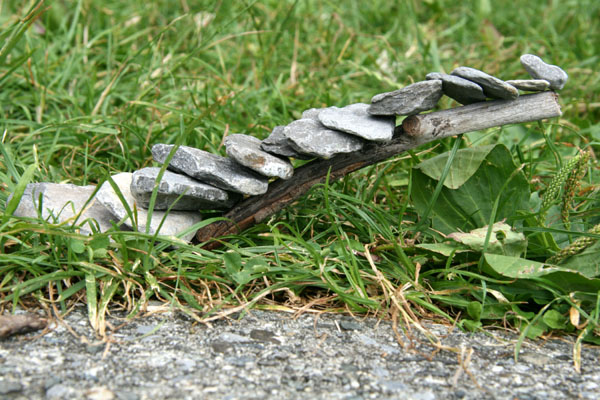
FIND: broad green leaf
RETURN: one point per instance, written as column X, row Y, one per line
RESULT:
column 587, row 262
column 555, row 320
column 474, row 309
column 471, row 205
column 77, row 246
column 567, row 279
column 465, row 164
column 445, row 249
column 503, row 240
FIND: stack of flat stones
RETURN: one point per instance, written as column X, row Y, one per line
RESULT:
column 196, row 180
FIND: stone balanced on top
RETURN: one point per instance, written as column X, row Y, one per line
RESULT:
column 197, row 180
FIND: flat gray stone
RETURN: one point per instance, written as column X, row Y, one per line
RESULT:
column 310, row 137
column 530, row 85
column 355, row 120
column 210, row 168
column 60, row 202
column 279, row 145
column 538, row 69
column 459, row 89
column 195, row 195
column 246, row 151
column 434, row 75
column 312, row 113
column 174, row 223
column 420, row 96
column 492, row 86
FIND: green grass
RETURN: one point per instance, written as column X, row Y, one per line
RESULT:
column 89, row 86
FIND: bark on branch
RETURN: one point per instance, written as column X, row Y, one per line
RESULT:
column 414, row 131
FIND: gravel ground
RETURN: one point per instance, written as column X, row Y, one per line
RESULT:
column 273, row 355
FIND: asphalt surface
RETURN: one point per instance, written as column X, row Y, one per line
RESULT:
column 277, row 355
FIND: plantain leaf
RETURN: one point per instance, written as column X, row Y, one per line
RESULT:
column 470, row 206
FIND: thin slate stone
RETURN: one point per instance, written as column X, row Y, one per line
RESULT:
column 60, row 202
column 538, row 69
column 174, row 223
column 433, row 76
column 277, row 144
column 246, row 150
column 310, row 137
column 312, row 113
column 459, row 89
column 420, row 96
column 210, row 168
column 355, row 120
column 530, row 85
column 195, row 195
column 492, row 86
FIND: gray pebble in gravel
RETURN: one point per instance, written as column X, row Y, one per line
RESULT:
column 277, row 143
column 310, row 137
column 459, row 89
column 246, row 151
column 210, row 168
column 175, row 222
column 492, row 86
column 355, row 120
column 195, row 195
column 60, row 202
column 7, row 387
column 538, row 69
column 530, row 85
column 420, row 96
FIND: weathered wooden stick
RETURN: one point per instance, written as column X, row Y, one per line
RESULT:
column 415, row 131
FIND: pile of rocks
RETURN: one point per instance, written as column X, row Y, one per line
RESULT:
column 198, row 180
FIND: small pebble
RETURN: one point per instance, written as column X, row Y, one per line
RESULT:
column 538, row 69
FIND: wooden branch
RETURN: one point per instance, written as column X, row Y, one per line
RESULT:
column 415, row 131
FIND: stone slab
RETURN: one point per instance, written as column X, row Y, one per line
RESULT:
column 310, row 137
column 413, row 99
column 174, row 223
column 530, row 85
column 492, row 86
column 246, row 151
column 312, row 113
column 538, row 69
column 355, row 120
column 459, row 89
column 278, row 144
column 178, row 192
column 210, row 168
column 60, row 202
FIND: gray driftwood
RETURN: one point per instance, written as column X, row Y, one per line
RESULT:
column 414, row 131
